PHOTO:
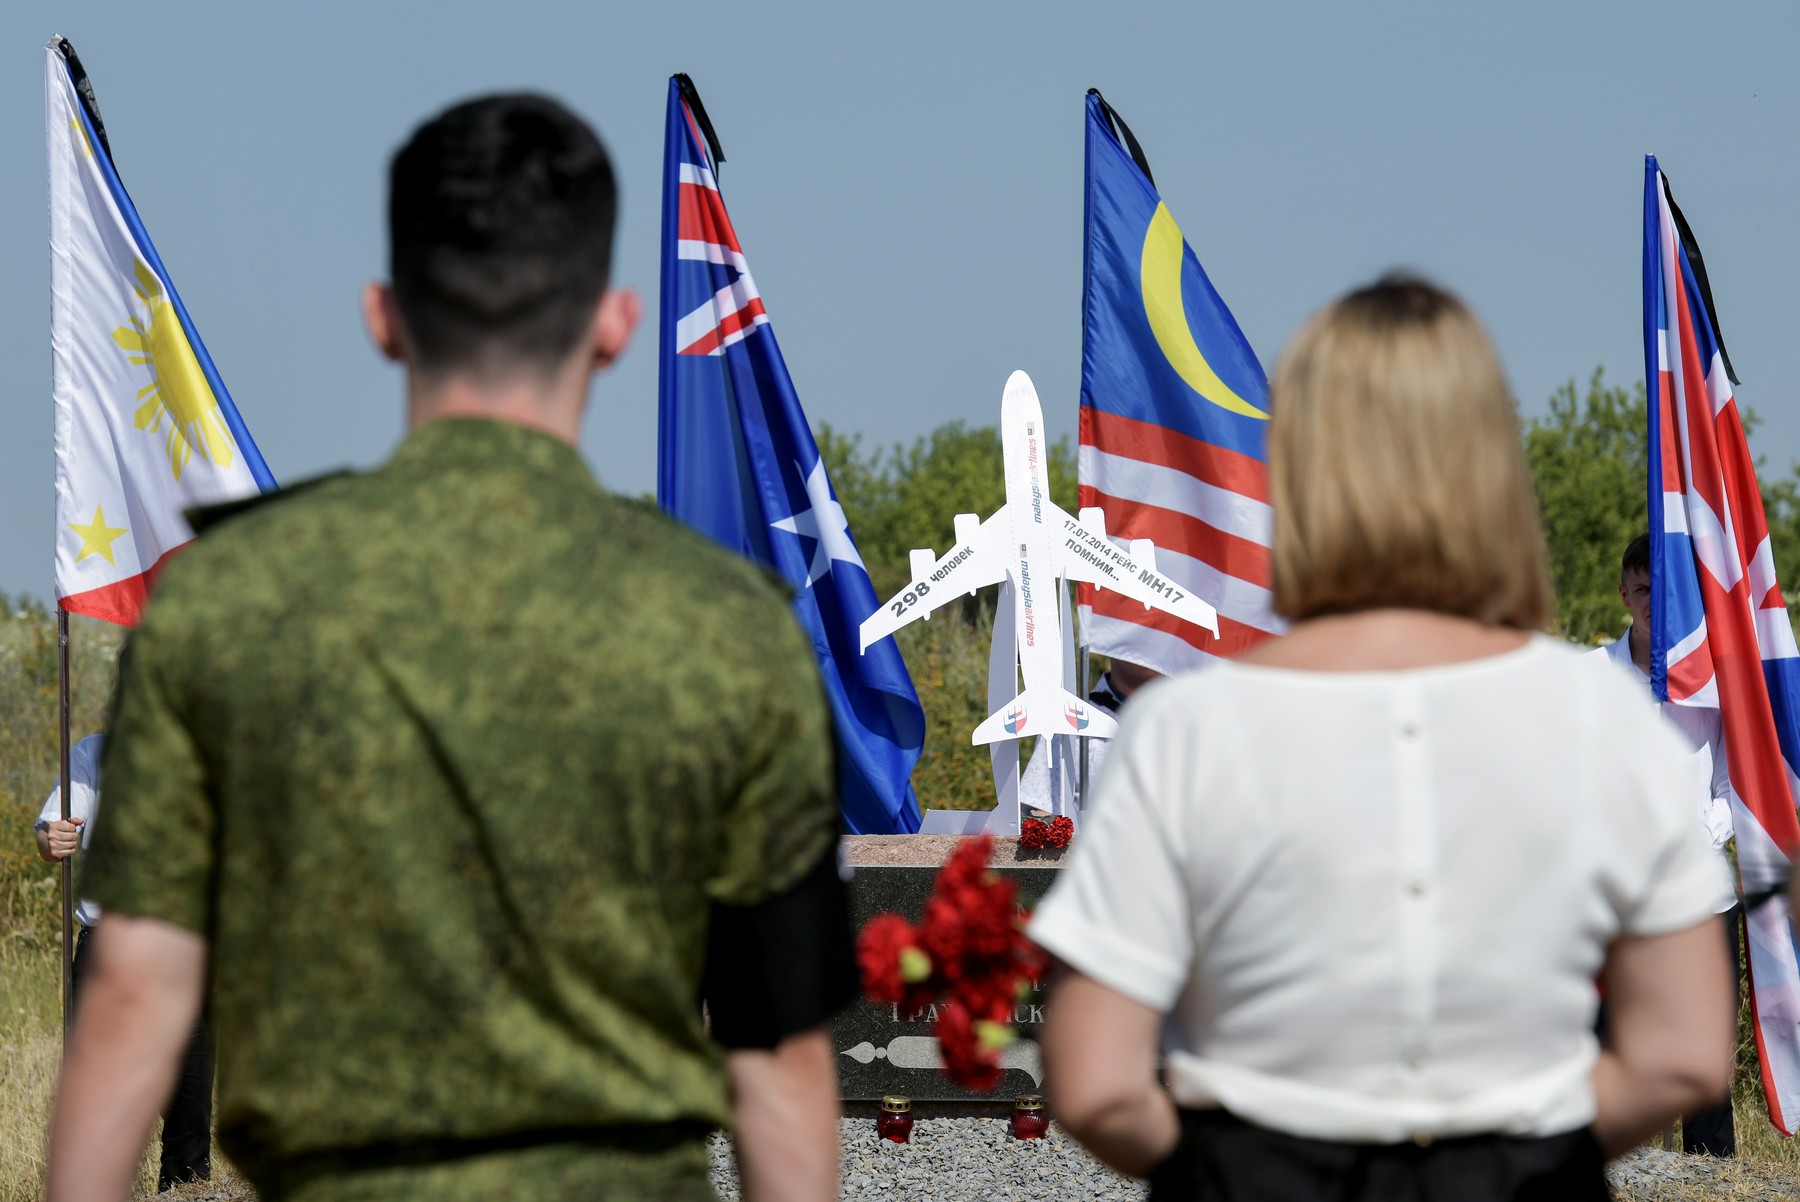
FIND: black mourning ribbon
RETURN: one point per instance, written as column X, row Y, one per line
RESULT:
column 1698, row 263
column 1123, row 132
column 84, row 88
column 691, row 94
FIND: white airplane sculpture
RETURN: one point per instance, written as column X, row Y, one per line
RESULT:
column 1034, row 542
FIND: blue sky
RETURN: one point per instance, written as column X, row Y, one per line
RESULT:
column 907, row 183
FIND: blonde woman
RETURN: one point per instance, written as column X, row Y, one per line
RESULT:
column 1361, row 881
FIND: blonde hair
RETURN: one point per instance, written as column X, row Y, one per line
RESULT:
column 1395, row 470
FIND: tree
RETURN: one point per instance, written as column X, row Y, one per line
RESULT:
column 1587, row 461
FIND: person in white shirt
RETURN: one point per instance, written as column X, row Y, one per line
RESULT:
column 1358, row 883
column 1710, row 1130
column 187, row 1119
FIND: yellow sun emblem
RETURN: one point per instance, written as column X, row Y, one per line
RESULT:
column 178, row 389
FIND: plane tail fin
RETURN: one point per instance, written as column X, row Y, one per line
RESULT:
column 1046, row 712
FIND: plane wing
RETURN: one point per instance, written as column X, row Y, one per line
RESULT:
column 1086, row 553
column 979, row 559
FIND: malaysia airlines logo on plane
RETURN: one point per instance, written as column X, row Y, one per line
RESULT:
column 1015, row 720
column 1077, row 716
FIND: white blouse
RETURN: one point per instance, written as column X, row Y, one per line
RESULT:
column 1373, row 905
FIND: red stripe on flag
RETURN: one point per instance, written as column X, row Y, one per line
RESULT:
column 702, row 217
column 1234, row 637
column 121, row 602
column 1689, row 674
column 1183, row 533
column 728, row 325
column 1671, row 453
column 1219, row 466
column 1706, row 478
column 1747, row 521
column 1752, row 747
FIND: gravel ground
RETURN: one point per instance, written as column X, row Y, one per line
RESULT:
column 977, row 1160
column 958, row 1159
column 950, row 1159
column 1653, row 1175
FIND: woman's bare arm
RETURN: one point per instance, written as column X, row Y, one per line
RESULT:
column 1671, row 1032
column 1100, row 1060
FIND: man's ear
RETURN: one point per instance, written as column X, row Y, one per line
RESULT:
column 381, row 316
column 617, row 316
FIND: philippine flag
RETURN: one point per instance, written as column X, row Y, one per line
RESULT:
column 144, row 427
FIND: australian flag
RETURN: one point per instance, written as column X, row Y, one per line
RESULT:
column 736, row 459
column 1720, row 636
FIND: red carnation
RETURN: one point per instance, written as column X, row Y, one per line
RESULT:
column 918, row 997
column 989, row 995
column 888, row 955
column 1033, row 963
column 1033, row 834
column 989, row 919
column 942, row 936
column 967, row 865
column 1062, row 829
column 969, row 1049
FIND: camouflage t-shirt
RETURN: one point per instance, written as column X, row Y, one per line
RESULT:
column 447, row 762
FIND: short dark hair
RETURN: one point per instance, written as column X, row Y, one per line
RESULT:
column 1637, row 556
column 500, row 218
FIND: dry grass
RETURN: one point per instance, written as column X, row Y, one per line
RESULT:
column 30, row 1051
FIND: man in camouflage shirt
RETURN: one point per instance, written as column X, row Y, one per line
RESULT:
column 461, row 780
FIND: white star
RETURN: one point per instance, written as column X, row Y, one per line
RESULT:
column 825, row 521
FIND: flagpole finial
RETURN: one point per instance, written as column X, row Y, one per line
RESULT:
column 84, row 88
column 1123, row 132
column 1698, row 264
column 691, row 95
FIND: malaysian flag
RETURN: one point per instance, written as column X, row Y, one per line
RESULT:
column 1174, row 419
column 737, row 461
column 1720, row 635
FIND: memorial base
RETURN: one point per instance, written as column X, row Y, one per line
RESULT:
column 881, row 1051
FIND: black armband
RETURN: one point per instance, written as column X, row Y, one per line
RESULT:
column 781, row 966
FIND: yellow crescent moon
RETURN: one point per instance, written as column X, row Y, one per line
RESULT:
column 1160, row 271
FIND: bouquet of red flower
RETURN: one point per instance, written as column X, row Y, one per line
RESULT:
column 968, row 956
column 1056, row 833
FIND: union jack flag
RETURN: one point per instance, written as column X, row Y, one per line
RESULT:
column 1720, row 635
column 704, row 234
column 1174, row 419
